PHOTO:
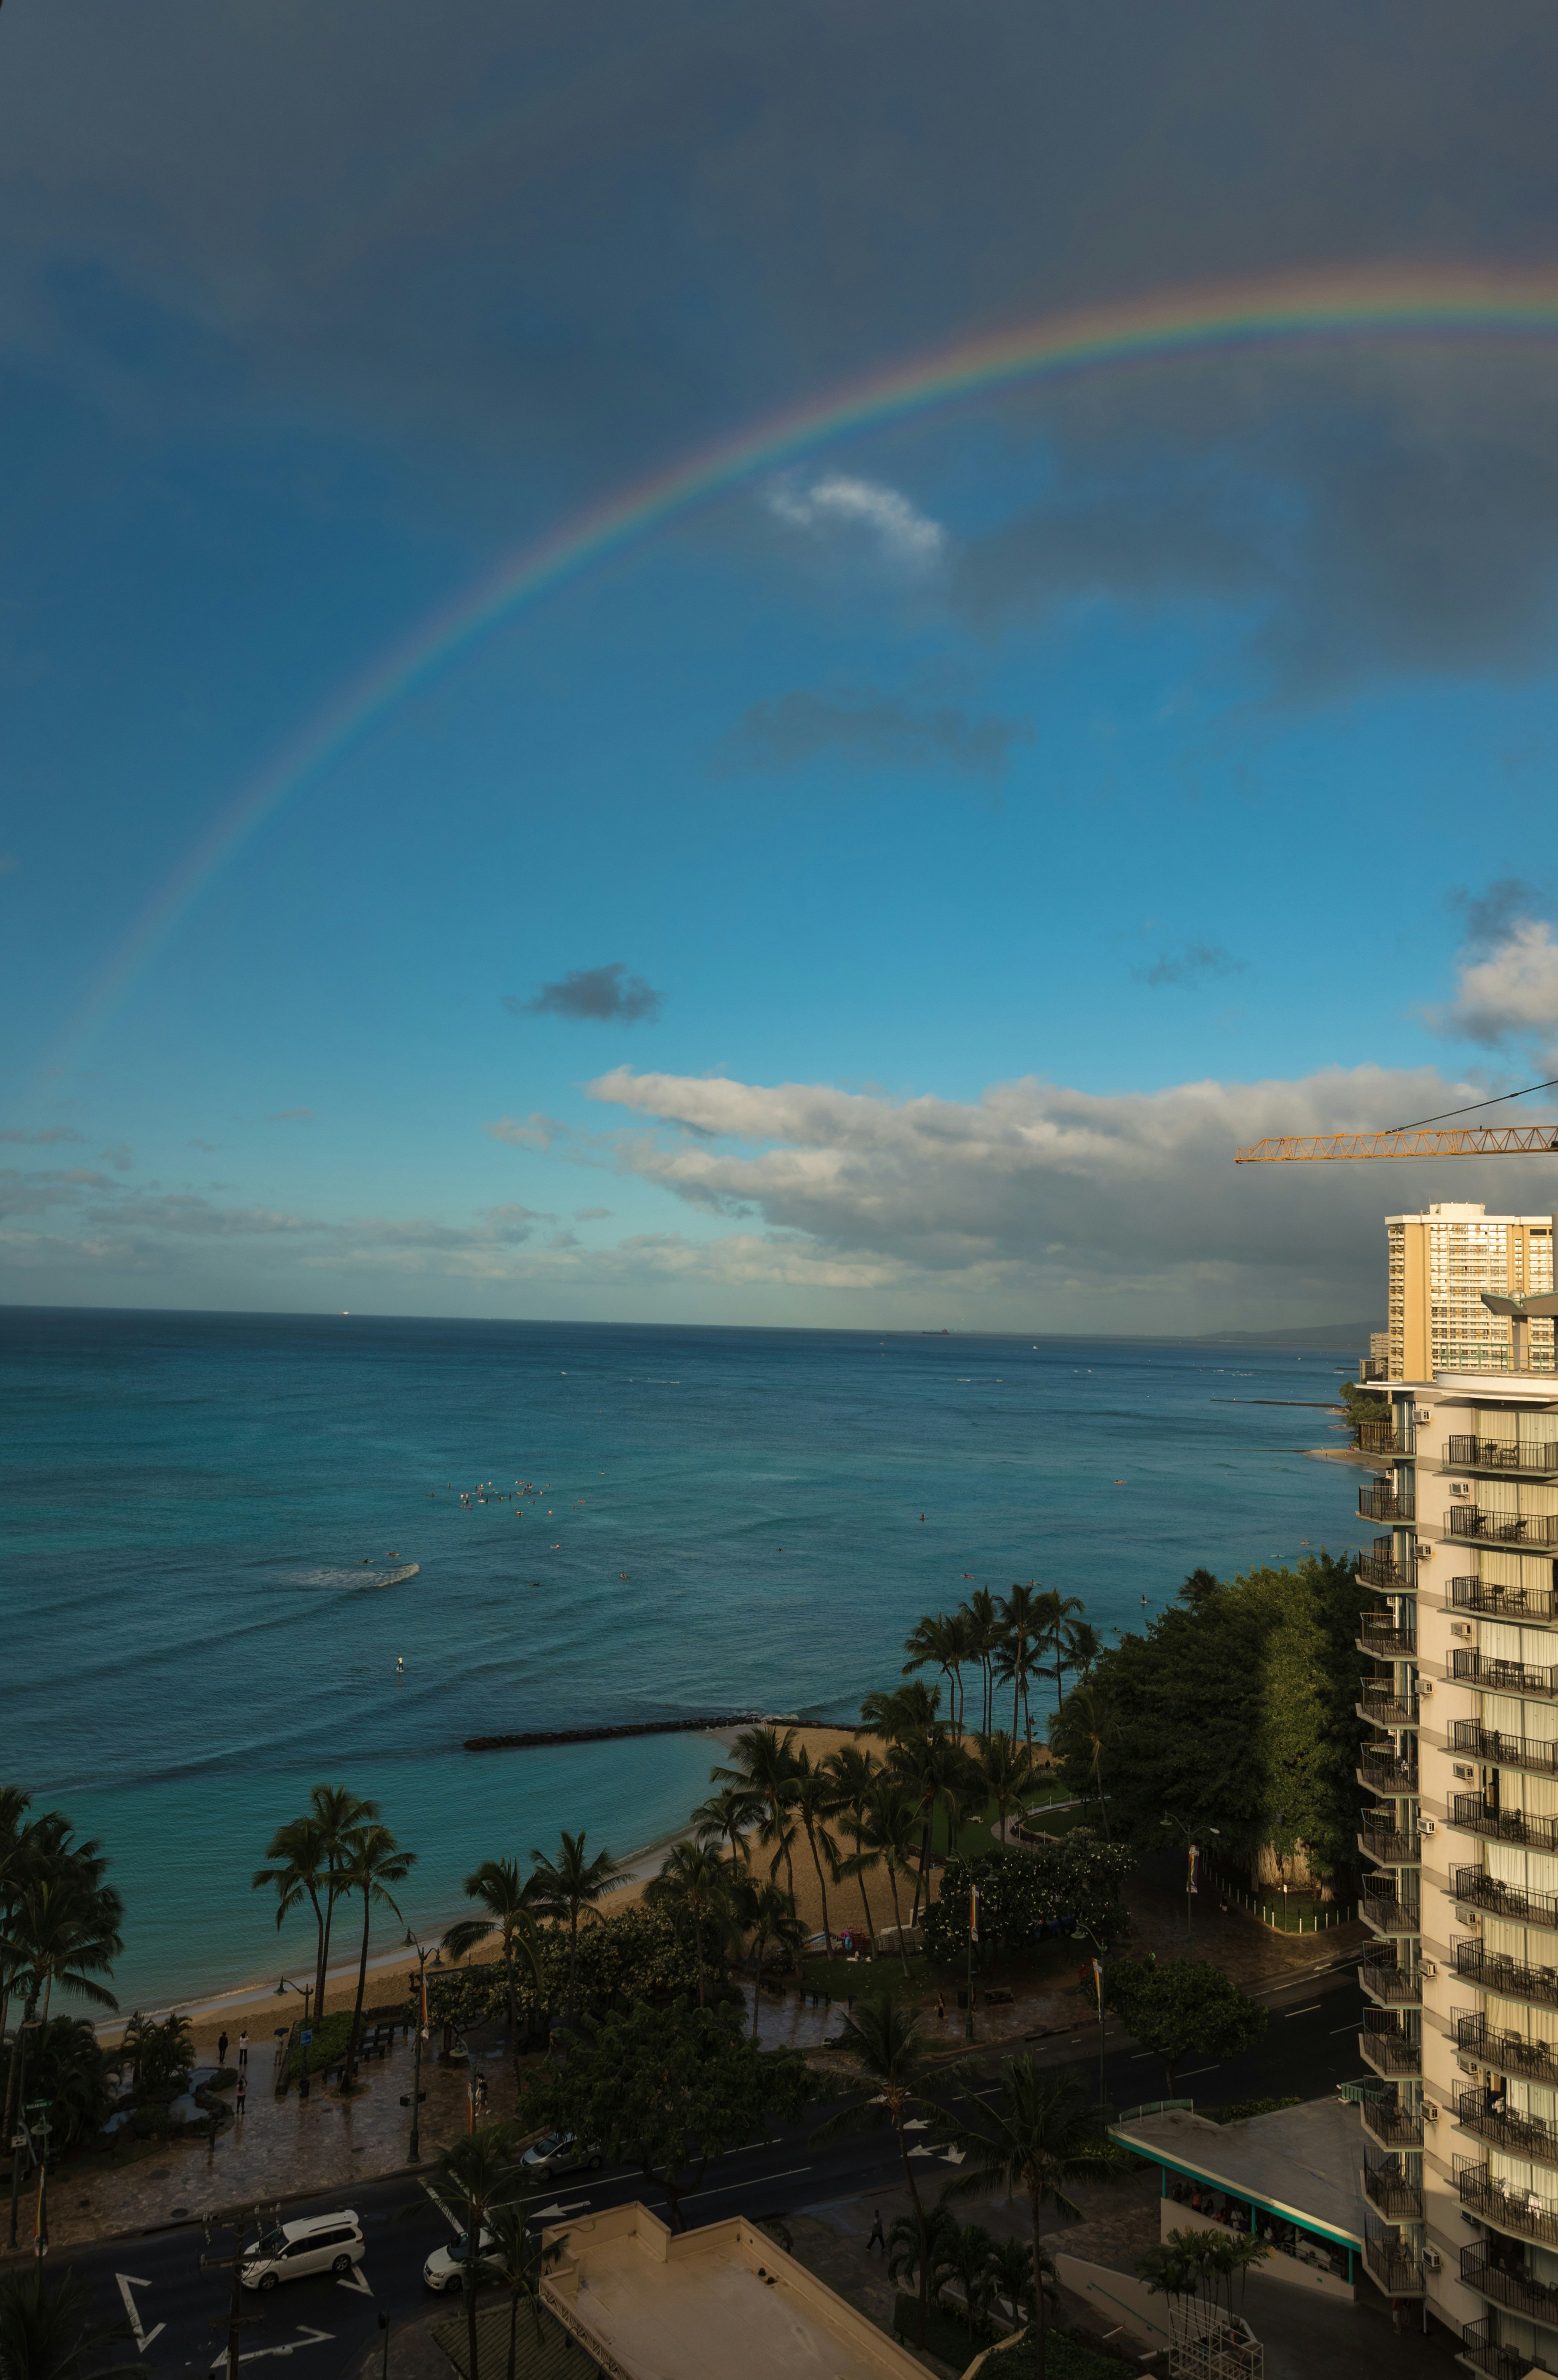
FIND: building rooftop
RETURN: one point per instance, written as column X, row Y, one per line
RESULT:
column 1301, row 2163
column 705, row 2304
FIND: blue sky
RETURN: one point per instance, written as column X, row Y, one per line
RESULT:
column 992, row 819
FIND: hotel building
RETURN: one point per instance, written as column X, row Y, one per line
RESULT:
column 1460, row 2118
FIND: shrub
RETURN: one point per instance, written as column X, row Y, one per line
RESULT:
column 161, row 2055
column 65, row 2065
column 1237, row 2109
column 328, row 2046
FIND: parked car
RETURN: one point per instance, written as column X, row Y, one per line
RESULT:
column 288, row 2251
column 559, row 2154
column 445, row 2269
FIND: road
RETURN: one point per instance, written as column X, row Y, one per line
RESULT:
column 1310, row 2045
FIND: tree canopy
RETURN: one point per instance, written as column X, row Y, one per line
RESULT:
column 1077, row 1878
column 1180, row 2005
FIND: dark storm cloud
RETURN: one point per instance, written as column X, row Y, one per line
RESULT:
column 869, row 731
column 603, row 995
column 545, row 250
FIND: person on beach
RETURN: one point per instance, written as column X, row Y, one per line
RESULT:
column 222, row 2049
column 241, row 2097
column 243, row 2049
column 878, row 2238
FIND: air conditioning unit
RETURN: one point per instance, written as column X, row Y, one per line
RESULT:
column 1466, row 1917
column 1432, row 2260
column 1425, row 1685
column 1460, row 1487
column 1427, row 1825
column 1459, row 1769
column 1430, row 2113
column 1467, row 2065
column 1460, row 1628
column 1423, row 1415
column 1426, row 1967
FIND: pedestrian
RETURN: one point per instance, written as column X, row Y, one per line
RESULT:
column 241, row 2098
column 243, row 2049
column 878, row 2238
column 940, row 2007
column 222, row 2049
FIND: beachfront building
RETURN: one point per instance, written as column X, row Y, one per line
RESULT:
column 1441, row 1261
column 1459, row 2116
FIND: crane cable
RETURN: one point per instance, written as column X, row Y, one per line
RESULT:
column 1497, row 1102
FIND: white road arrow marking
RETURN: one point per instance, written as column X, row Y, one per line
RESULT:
column 917, row 2124
column 356, row 2279
column 306, row 2338
column 948, row 2156
column 143, row 2339
column 540, row 2214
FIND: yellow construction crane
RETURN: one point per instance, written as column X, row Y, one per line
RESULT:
column 1415, row 1139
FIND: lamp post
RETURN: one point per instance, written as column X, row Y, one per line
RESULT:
column 1181, row 1828
column 414, row 2150
column 308, row 1992
column 1085, row 1934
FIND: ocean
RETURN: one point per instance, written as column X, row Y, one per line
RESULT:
column 209, row 1522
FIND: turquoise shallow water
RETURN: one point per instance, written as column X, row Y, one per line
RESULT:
column 192, row 1634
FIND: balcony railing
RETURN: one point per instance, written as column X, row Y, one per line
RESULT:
column 1393, row 2194
column 1380, row 1569
column 1515, row 2289
column 1395, row 2267
column 1382, row 1975
column 1505, row 2053
column 1502, row 1528
column 1387, row 2047
column 1492, row 1971
column 1475, row 1815
column 1386, row 1843
column 1391, row 2125
column 1386, row 1637
column 1505, row 2204
column 1480, row 2349
column 1380, row 1438
column 1496, row 1677
column 1382, row 1707
column 1389, row 1912
column 1382, row 1501
column 1480, row 1890
column 1492, row 1454
column 1500, row 1602
column 1385, row 1771
column 1535, row 1752
column 1518, row 2135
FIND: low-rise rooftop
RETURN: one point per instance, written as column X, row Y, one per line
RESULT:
column 1300, row 2163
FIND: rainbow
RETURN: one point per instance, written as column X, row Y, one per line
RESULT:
column 1379, row 303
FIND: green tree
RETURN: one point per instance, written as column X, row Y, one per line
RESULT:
column 696, row 1880
column 1086, row 1727
column 1199, row 2272
column 968, row 2251
column 811, row 1795
column 568, row 1888
column 907, row 2247
column 472, row 2177
column 1077, row 1878
column 374, row 1860
column 1180, row 2005
column 1039, row 2140
column 982, row 1615
column 48, row 2333
column 515, row 2258
column 160, row 2053
column 898, row 1715
column 944, row 1780
column 767, row 1914
column 1055, row 1618
column 729, row 1816
column 308, row 1857
column 935, row 1640
column 1011, row 2276
column 891, row 1826
column 1007, row 1768
column 66, row 2067
column 667, row 2091
column 763, row 1762
column 852, row 1772
column 504, row 1901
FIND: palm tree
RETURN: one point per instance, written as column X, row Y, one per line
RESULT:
column 962, row 1647
column 904, row 1712
column 375, row 1861
column 1055, row 1611
column 1011, row 2276
column 47, row 2334
column 984, row 1624
column 903, row 2248
column 506, row 1903
column 729, row 1817
column 882, row 2039
column 338, row 1812
column 940, row 1775
column 693, row 1877
column 296, row 1852
column 967, row 2252
column 473, row 2176
column 890, row 1821
column 934, row 1639
column 1093, row 1715
column 1007, row 1769
column 766, row 1761
column 66, row 1930
column 516, row 2257
column 767, row 1914
column 568, row 1887
column 853, row 1773
column 1021, row 1630
column 811, row 1795
column 1041, row 2138
column 1083, row 1646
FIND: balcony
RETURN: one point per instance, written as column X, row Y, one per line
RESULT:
column 1496, row 1677
column 1502, row 1528
column 1474, row 1814
column 1518, row 2135
column 1506, row 2205
column 1395, row 2267
column 1391, row 2125
column 1500, row 1602
column 1533, row 1752
column 1383, row 1841
column 1392, row 2192
column 1492, row 1971
column 1381, row 1570
column 1382, row 1707
column 1482, row 2352
column 1384, row 1771
column 1388, row 1913
column 1508, row 2286
column 1382, row 1975
column 1387, row 2046
column 1505, row 2053
column 1382, row 1501
column 1386, row 1637
column 1494, row 1454
column 1480, row 1890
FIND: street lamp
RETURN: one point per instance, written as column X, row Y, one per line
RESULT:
column 1180, row 1827
column 414, row 2150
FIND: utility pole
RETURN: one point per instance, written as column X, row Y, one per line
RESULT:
column 235, row 2317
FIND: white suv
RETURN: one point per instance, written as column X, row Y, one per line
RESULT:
column 287, row 2251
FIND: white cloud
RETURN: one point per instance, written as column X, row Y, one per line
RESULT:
column 1511, row 994
column 903, row 533
column 534, row 1130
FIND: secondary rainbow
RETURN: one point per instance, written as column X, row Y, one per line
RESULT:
column 1317, row 307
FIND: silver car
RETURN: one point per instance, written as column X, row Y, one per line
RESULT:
column 559, row 2154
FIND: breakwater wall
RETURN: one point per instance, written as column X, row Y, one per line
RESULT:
column 539, row 1736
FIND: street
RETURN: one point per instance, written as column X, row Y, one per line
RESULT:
column 178, row 2311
